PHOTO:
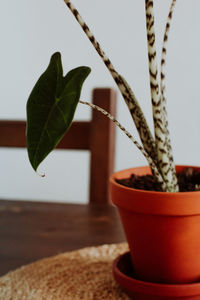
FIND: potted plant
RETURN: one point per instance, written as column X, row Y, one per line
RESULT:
column 159, row 205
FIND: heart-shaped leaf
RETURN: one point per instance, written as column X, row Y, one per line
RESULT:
column 51, row 107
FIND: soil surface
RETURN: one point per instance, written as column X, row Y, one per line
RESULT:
column 188, row 180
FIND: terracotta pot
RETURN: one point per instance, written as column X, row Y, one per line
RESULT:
column 141, row 290
column 162, row 229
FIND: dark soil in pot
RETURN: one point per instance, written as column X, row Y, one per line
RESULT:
column 188, row 180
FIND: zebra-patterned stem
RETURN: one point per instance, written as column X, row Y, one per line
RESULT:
column 161, row 145
column 163, row 87
column 149, row 159
column 164, row 51
column 129, row 97
column 146, row 137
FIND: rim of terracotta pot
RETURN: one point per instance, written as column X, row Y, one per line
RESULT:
column 158, row 289
column 162, row 203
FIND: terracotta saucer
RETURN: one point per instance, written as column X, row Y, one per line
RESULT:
column 140, row 290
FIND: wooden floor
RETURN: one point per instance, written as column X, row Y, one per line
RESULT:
column 31, row 230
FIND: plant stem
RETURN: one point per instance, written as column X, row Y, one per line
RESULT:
column 128, row 95
column 146, row 138
column 160, row 138
column 163, row 87
column 149, row 159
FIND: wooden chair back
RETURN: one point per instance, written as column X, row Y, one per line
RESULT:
column 96, row 135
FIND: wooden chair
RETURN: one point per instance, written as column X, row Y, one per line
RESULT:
column 96, row 135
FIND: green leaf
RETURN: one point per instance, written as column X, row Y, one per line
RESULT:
column 51, row 107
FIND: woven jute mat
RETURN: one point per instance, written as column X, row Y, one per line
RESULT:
column 84, row 274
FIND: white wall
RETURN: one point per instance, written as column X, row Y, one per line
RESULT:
column 31, row 31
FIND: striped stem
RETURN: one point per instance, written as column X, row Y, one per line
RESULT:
column 163, row 87
column 161, row 146
column 146, row 138
column 149, row 159
column 128, row 95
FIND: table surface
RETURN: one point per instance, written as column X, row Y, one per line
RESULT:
column 33, row 230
